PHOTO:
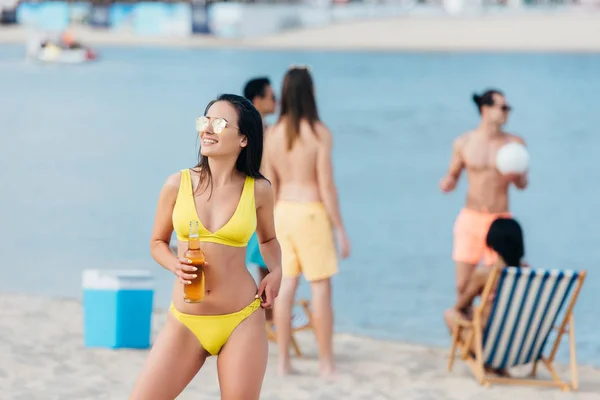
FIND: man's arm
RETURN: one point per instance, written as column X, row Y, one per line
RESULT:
column 457, row 164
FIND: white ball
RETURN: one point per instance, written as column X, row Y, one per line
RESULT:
column 512, row 158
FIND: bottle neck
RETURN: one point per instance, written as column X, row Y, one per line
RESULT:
column 194, row 244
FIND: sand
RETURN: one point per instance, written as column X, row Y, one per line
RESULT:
column 42, row 357
column 563, row 32
column 574, row 31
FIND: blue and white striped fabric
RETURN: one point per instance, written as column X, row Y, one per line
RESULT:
column 527, row 304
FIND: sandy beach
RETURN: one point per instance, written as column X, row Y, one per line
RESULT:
column 576, row 31
column 42, row 357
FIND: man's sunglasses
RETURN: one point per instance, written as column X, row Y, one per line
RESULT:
column 218, row 124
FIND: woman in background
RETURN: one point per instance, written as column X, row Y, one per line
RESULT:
column 307, row 214
column 504, row 237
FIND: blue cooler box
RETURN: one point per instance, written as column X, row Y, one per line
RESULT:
column 117, row 308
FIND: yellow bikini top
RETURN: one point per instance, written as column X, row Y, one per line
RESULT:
column 236, row 232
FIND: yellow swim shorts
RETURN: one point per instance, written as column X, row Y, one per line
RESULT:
column 306, row 238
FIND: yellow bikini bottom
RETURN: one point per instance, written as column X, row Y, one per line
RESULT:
column 213, row 331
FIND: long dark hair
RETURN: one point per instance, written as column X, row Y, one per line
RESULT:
column 505, row 237
column 250, row 125
column 297, row 102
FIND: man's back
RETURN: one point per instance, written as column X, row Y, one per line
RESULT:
column 296, row 169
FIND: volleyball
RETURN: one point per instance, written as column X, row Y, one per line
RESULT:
column 512, row 158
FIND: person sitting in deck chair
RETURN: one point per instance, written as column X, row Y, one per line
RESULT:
column 505, row 237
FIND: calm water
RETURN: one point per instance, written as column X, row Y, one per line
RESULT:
column 84, row 151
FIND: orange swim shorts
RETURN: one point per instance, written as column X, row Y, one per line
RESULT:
column 470, row 231
column 306, row 238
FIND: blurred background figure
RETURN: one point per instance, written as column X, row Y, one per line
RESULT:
column 262, row 96
column 487, row 196
column 298, row 157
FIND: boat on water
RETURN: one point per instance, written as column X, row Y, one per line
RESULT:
column 59, row 51
column 52, row 53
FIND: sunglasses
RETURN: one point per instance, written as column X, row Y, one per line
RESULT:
column 505, row 107
column 218, row 124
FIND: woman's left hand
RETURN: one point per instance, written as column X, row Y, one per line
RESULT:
column 269, row 288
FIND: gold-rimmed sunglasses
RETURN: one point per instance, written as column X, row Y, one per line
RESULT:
column 218, row 124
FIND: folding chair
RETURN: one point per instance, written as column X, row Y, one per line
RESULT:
column 526, row 308
column 300, row 322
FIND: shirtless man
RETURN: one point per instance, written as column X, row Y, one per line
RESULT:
column 298, row 164
column 262, row 96
column 260, row 92
column 487, row 195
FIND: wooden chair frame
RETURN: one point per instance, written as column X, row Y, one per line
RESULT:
column 272, row 336
column 475, row 336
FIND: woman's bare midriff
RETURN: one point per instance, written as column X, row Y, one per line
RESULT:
column 487, row 192
column 229, row 285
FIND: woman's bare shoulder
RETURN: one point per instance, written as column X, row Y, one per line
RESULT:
column 170, row 188
column 323, row 133
column 262, row 190
column 173, row 180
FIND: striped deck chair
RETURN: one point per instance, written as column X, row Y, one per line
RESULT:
column 525, row 311
column 300, row 322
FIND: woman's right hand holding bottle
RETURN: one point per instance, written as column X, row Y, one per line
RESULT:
column 185, row 271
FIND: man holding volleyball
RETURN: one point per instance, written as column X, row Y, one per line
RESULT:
column 490, row 172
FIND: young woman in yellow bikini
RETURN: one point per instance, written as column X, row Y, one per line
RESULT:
column 230, row 199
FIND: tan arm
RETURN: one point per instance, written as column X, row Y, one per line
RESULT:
column 265, row 227
column 457, row 164
column 327, row 187
column 163, row 225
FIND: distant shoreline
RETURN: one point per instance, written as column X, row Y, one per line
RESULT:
column 572, row 32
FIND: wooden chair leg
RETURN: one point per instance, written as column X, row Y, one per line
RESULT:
column 270, row 333
column 455, row 336
column 272, row 336
column 554, row 375
column 477, row 336
column 306, row 307
column 294, row 344
column 573, row 354
column 534, row 370
column 466, row 350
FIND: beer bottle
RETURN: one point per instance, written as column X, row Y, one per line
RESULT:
column 194, row 292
